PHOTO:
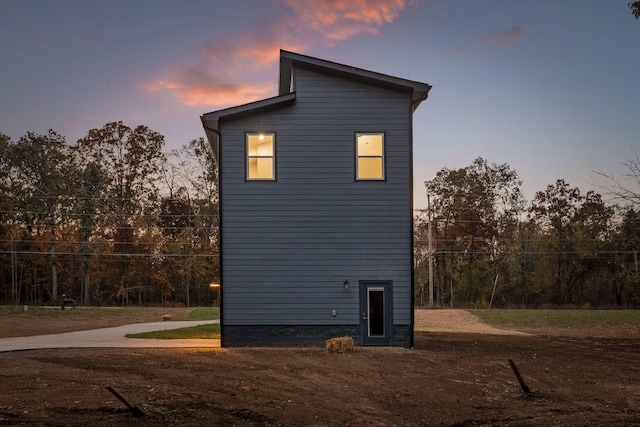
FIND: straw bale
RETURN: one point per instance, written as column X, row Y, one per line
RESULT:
column 340, row 345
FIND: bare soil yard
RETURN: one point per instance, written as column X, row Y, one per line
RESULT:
column 458, row 375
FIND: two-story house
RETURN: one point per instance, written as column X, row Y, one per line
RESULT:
column 316, row 208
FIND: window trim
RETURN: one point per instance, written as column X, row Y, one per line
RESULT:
column 247, row 157
column 383, row 156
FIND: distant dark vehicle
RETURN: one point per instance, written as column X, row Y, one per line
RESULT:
column 67, row 301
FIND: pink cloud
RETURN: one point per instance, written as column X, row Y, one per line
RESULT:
column 219, row 79
column 198, row 87
column 512, row 35
column 78, row 121
column 222, row 64
column 337, row 20
column 78, row 125
column 257, row 50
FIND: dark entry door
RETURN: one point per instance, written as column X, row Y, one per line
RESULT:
column 376, row 312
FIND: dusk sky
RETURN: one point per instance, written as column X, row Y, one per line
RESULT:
column 548, row 86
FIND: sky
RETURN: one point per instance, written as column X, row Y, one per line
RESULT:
column 548, row 87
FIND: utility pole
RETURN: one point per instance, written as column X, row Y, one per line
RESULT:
column 430, row 252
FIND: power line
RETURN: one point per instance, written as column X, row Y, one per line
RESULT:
column 111, row 254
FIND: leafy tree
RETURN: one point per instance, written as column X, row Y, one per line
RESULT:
column 624, row 265
column 475, row 208
column 421, row 256
column 94, row 212
column 5, row 167
column 176, row 220
column 176, row 214
column 7, row 243
column 44, row 167
column 89, row 209
column 6, row 190
column 189, row 220
column 574, row 228
column 132, row 160
column 635, row 8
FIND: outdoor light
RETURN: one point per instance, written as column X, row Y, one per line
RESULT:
column 216, row 286
column 346, row 283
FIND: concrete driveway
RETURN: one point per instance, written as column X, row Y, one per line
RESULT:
column 109, row 337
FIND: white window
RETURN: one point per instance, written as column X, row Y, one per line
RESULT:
column 370, row 156
column 261, row 156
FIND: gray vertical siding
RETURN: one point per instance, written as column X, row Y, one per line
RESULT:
column 288, row 245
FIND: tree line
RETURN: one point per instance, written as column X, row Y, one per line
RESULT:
column 489, row 247
column 110, row 219
column 113, row 219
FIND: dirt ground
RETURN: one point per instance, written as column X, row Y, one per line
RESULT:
column 457, row 375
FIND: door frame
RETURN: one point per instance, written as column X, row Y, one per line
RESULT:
column 386, row 286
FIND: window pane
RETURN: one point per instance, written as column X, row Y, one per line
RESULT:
column 370, row 168
column 261, row 156
column 376, row 313
column 260, row 168
column 260, row 147
column 370, row 145
column 370, row 155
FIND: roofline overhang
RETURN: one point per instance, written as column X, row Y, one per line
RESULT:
column 286, row 96
column 211, row 121
column 419, row 91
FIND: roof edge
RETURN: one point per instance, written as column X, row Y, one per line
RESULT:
column 419, row 90
column 272, row 102
column 211, row 121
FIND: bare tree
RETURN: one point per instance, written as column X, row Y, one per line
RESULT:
column 626, row 188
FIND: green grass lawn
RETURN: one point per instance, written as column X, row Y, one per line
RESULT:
column 195, row 332
column 87, row 314
column 52, row 312
column 562, row 318
column 202, row 313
